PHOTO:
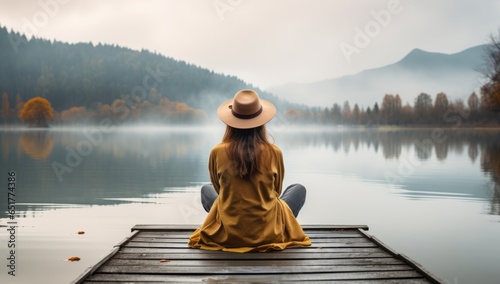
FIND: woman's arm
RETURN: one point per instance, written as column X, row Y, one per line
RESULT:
column 212, row 170
column 280, row 166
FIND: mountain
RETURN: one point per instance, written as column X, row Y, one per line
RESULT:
column 419, row 71
column 83, row 74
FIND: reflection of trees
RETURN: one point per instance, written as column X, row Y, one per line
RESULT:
column 495, row 202
column 473, row 151
column 391, row 145
column 5, row 146
column 441, row 151
column 425, row 142
column 37, row 144
column 490, row 163
column 391, row 142
column 125, row 146
column 423, row 148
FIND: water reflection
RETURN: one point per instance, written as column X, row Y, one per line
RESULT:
column 427, row 145
column 77, row 168
column 425, row 142
column 101, row 168
column 490, row 164
column 37, row 144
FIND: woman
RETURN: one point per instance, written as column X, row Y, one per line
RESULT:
column 245, row 211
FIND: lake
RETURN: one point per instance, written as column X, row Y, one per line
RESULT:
column 432, row 194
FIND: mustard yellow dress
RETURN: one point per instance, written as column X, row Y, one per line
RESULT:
column 248, row 215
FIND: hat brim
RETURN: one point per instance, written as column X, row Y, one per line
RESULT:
column 225, row 114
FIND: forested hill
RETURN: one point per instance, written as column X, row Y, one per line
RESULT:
column 82, row 74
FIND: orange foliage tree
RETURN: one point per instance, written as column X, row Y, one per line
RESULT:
column 75, row 115
column 37, row 112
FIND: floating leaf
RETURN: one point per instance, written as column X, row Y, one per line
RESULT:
column 74, row 258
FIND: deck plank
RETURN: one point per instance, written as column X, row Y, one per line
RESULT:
column 384, row 275
column 275, row 256
column 246, row 262
column 159, row 253
column 216, row 269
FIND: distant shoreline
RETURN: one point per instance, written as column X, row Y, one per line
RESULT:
column 272, row 127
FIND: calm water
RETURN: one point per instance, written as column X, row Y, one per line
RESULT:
column 431, row 195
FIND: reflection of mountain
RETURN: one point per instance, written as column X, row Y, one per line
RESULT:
column 37, row 144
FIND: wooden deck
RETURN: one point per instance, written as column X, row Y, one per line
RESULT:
column 159, row 253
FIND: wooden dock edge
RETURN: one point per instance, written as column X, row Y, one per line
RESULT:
column 412, row 263
column 161, row 227
column 91, row 269
column 183, row 227
column 361, row 228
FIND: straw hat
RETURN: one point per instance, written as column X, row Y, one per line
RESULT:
column 246, row 110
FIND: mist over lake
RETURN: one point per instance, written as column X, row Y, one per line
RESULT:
column 415, row 194
column 388, row 112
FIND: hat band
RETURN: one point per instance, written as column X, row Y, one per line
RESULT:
column 247, row 116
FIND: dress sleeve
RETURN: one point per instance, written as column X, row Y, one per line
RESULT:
column 278, row 182
column 212, row 169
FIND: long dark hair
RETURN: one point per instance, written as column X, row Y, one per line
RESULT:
column 248, row 149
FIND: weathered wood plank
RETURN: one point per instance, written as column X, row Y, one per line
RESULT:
column 360, row 244
column 303, row 250
column 276, row 254
column 250, row 269
column 185, row 240
column 317, row 255
column 337, row 253
column 373, row 281
column 182, row 227
column 245, row 262
column 315, row 235
column 377, row 275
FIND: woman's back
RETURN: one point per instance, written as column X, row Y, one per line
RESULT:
column 246, row 212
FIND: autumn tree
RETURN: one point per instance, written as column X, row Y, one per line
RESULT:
column 376, row 113
column 423, row 106
column 473, row 102
column 356, row 114
column 37, row 112
column 19, row 103
column 293, row 114
column 346, row 113
column 336, row 113
column 391, row 108
column 440, row 106
column 76, row 115
column 406, row 116
column 119, row 110
column 491, row 90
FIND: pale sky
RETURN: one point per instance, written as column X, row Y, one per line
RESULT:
column 265, row 42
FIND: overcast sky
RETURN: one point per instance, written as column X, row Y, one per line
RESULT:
column 265, row 42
